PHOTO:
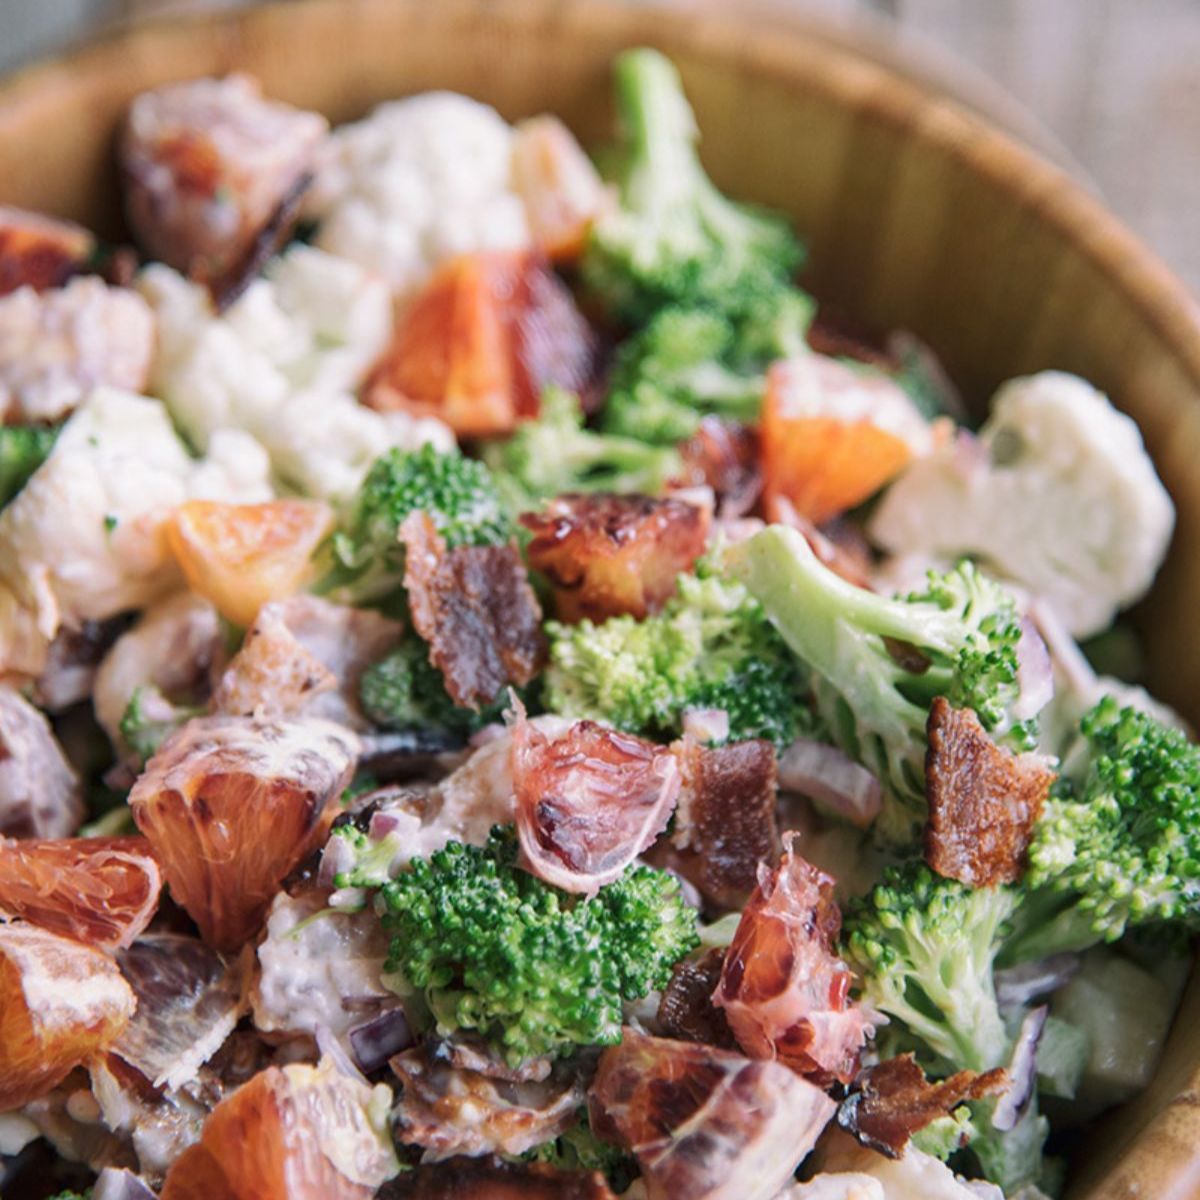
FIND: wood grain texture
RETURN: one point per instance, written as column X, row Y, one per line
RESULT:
column 919, row 216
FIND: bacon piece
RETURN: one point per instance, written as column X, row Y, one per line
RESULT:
column 724, row 455
column 449, row 1110
column 305, row 655
column 188, row 1002
column 489, row 332
column 725, row 824
column 492, row 1178
column 686, row 1010
column 705, row 1123
column 100, row 891
column 607, row 555
column 893, row 1100
column 40, row 794
column 213, row 176
column 476, row 609
column 231, row 805
column 60, row 1003
column 983, row 800
column 783, row 989
column 588, row 802
column 40, row 252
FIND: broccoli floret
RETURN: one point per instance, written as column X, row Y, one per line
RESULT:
column 23, row 448
column 364, row 559
column 691, row 361
column 556, row 454
column 675, row 239
column 947, row 1135
column 924, row 947
column 1013, row 1159
column 579, row 1149
column 373, row 857
column 150, row 718
column 879, row 663
column 1118, row 845
column 531, row 968
column 710, row 647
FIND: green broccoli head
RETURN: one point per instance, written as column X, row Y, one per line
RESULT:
column 924, row 947
column 364, row 559
column 689, row 362
column 579, row 1149
column 710, row 647
column 675, row 239
column 534, row 970
column 556, row 454
column 1118, row 845
column 948, row 1134
column 879, row 663
column 23, row 448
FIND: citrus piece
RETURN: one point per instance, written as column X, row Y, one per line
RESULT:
column 60, row 1004
column 833, row 436
column 240, row 556
column 231, row 805
column 100, row 891
column 196, row 1175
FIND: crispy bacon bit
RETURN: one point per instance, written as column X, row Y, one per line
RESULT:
column 188, row 1002
column 686, row 1010
column 588, row 802
column 232, row 804
column 784, row 991
column 725, row 824
column 40, row 794
column 983, row 800
column 607, row 555
column 40, row 252
column 702, row 1122
column 213, row 176
column 477, row 347
column 476, row 609
column 305, row 655
column 893, row 1100
column 725, row 456
column 450, row 1110
column 100, row 891
column 492, row 1178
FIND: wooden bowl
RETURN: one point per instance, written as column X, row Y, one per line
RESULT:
column 918, row 214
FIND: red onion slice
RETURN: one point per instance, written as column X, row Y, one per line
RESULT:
column 1035, row 673
column 115, row 1183
column 375, row 1041
column 1022, row 1071
column 837, row 785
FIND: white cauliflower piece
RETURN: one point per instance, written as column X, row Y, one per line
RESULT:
column 280, row 366
column 849, row 1186
column 326, row 443
column 915, row 1176
column 236, row 467
column 417, row 182
column 1065, row 501
column 55, row 346
column 83, row 540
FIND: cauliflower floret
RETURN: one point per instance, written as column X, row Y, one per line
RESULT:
column 235, row 467
column 416, row 182
column 83, row 539
column 915, row 1176
column 55, row 346
column 1064, row 500
column 851, row 1186
column 326, row 444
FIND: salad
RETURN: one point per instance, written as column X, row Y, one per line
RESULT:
column 504, row 695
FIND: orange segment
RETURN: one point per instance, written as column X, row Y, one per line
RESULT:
column 100, row 891
column 60, row 1003
column 232, row 804
column 291, row 1133
column 240, row 556
column 832, row 437
column 562, row 191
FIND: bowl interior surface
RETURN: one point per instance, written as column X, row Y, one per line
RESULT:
column 918, row 216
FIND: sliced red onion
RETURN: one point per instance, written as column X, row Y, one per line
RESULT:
column 1022, row 1071
column 706, row 724
column 118, row 1184
column 1021, row 985
column 1065, row 654
column 331, row 1048
column 1035, row 673
column 375, row 1041
column 338, row 856
column 384, row 822
column 837, row 785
